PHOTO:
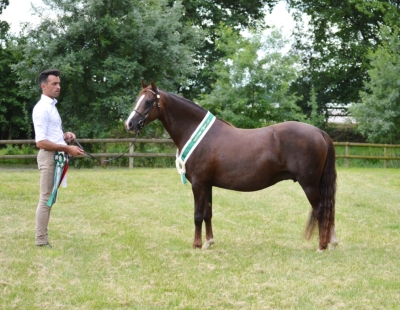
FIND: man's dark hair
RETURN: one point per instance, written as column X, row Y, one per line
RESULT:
column 45, row 74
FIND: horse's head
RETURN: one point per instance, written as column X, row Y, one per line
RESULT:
column 144, row 111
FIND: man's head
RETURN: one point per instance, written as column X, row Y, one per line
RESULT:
column 49, row 81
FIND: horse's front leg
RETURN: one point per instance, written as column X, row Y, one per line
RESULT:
column 201, row 194
column 207, row 221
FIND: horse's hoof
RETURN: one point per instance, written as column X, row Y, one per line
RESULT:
column 208, row 244
column 319, row 250
column 333, row 245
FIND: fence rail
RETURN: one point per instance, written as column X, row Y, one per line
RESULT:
column 132, row 154
column 385, row 147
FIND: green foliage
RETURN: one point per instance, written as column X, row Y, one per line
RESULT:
column 103, row 49
column 14, row 122
column 378, row 113
column 19, row 150
column 14, row 109
column 208, row 15
column 23, row 149
column 315, row 118
column 253, row 81
column 334, row 47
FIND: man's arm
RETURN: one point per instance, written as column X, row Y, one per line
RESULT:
column 50, row 146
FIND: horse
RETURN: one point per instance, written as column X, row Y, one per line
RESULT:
column 243, row 159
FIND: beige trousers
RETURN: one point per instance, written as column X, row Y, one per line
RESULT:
column 45, row 161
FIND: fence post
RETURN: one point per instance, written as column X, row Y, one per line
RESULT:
column 103, row 159
column 347, row 154
column 384, row 154
column 131, row 152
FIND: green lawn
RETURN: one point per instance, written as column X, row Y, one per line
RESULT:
column 122, row 240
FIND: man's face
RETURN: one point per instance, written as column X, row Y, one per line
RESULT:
column 52, row 87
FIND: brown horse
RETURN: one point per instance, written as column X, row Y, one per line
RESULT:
column 244, row 159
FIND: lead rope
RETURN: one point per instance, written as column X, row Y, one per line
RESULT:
column 108, row 160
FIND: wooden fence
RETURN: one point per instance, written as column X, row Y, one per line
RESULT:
column 132, row 154
column 384, row 157
column 129, row 142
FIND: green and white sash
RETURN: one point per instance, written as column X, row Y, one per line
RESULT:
column 192, row 143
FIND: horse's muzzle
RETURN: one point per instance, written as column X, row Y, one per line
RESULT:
column 129, row 126
column 133, row 126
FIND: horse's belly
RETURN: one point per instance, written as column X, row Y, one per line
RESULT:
column 248, row 179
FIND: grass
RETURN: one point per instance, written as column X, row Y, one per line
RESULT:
column 122, row 240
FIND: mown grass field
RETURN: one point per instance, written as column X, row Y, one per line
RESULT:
column 122, row 240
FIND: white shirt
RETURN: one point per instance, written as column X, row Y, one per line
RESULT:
column 47, row 121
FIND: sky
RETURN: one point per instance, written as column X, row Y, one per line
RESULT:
column 20, row 11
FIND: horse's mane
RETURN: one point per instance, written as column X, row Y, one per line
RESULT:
column 222, row 120
column 177, row 97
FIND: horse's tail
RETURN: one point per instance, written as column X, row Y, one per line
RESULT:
column 325, row 214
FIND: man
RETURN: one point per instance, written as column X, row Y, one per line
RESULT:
column 49, row 138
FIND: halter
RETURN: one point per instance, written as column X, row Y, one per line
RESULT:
column 142, row 122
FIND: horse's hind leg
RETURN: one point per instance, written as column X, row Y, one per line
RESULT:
column 207, row 222
column 334, row 241
column 313, row 196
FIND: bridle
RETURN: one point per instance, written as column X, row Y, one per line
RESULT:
column 142, row 122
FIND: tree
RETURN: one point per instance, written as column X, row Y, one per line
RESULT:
column 335, row 45
column 378, row 113
column 103, row 49
column 253, row 81
column 15, row 120
column 315, row 117
column 208, row 15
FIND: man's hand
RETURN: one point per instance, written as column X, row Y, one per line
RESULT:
column 74, row 150
column 69, row 136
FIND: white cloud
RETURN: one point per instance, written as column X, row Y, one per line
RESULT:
column 19, row 11
column 280, row 18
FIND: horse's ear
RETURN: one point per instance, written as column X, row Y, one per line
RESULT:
column 153, row 86
column 143, row 84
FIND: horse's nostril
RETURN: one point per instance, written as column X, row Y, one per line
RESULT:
column 130, row 124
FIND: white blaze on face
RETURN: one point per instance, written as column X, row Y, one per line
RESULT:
column 134, row 112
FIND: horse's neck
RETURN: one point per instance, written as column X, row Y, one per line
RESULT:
column 180, row 118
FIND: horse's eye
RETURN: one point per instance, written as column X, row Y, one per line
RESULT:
column 148, row 102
